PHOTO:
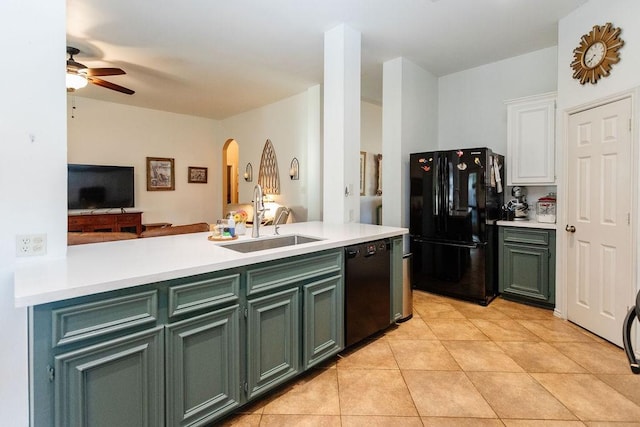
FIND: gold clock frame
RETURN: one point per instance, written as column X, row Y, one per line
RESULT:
column 607, row 35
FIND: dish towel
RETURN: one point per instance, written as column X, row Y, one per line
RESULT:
column 496, row 170
column 492, row 173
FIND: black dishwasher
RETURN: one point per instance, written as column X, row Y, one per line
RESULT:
column 367, row 290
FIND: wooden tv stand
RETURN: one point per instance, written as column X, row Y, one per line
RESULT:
column 130, row 221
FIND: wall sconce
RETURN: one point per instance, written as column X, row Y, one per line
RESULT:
column 248, row 173
column 294, row 169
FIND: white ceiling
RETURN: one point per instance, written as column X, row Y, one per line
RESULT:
column 215, row 58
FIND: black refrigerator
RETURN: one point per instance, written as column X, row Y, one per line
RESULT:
column 456, row 198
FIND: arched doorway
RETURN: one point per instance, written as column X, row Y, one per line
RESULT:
column 230, row 155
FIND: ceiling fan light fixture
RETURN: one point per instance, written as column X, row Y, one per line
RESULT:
column 75, row 81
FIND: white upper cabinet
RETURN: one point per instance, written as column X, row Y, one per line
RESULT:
column 531, row 140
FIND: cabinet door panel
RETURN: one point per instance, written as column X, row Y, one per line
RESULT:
column 527, row 271
column 116, row 383
column 531, row 140
column 323, row 326
column 203, row 373
column 273, row 344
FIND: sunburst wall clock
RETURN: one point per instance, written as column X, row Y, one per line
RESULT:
column 596, row 53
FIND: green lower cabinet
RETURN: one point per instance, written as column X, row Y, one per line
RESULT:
column 115, row 383
column 323, row 326
column 273, row 343
column 527, row 265
column 187, row 351
column 203, row 367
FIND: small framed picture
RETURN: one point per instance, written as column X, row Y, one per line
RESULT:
column 197, row 175
column 160, row 174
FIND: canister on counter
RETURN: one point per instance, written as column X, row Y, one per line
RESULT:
column 546, row 208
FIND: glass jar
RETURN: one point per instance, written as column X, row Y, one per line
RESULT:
column 546, row 208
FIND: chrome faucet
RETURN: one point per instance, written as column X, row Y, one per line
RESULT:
column 258, row 210
column 284, row 211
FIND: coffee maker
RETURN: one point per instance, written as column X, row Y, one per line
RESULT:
column 518, row 207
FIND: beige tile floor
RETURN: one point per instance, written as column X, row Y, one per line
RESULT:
column 459, row 364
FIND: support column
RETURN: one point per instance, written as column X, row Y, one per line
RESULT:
column 341, row 177
column 409, row 124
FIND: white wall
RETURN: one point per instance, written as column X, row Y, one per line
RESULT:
column 625, row 75
column 117, row 134
column 32, row 170
column 285, row 123
column 471, row 109
column 371, row 143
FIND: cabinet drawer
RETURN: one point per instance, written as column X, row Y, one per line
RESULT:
column 92, row 220
column 128, row 218
column 205, row 293
column 531, row 236
column 75, row 220
column 84, row 321
column 281, row 273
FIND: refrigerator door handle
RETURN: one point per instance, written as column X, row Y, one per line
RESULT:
column 436, row 188
column 445, row 184
column 442, row 197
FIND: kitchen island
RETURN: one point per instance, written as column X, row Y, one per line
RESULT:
column 179, row 330
column 101, row 267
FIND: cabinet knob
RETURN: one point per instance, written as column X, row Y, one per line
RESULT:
column 570, row 228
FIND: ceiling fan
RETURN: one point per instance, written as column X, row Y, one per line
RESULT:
column 78, row 75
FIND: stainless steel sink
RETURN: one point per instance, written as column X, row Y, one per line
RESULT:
column 262, row 244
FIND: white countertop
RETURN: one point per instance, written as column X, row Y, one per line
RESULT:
column 108, row 266
column 527, row 224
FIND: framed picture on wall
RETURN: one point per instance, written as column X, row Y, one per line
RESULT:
column 363, row 166
column 197, row 175
column 160, row 174
column 379, row 174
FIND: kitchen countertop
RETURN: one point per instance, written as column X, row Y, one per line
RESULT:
column 527, row 224
column 101, row 267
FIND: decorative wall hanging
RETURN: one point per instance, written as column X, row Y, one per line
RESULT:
column 268, row 176
column 379, row 174
column 248, row 173
column 160, row 175
column 197, row 175
column 363, row 167
column 294, row 170
column 596, row 53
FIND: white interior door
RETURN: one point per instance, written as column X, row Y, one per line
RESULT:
column 599, row 268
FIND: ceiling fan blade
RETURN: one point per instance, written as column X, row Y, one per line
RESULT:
column 104, row 71
column 110, row 85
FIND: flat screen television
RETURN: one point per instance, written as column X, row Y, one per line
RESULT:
column 100, row 187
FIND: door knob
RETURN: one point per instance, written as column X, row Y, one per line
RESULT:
column 570, row 228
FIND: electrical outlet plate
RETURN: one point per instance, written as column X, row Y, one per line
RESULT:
column 31, row 244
